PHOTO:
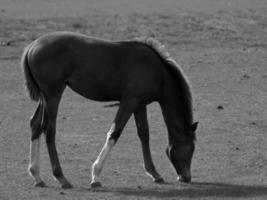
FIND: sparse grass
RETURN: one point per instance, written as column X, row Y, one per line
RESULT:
column 217, row 51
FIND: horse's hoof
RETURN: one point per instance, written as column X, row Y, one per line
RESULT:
column 40, row 184
column 96, row 185
column 159, row 180
column 67, row 185
column 184, row 179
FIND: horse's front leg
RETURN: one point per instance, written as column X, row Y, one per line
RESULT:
column 143, row 132
column 127, row 107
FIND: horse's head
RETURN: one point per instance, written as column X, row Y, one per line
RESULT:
column 180, row 152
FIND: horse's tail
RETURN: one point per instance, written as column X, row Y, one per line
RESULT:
column 30, row 84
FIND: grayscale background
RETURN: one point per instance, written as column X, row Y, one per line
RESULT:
column 222, row 47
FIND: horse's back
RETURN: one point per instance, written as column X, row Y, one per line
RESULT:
column 97, row 69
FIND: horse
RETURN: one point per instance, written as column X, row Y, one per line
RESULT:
column 133, row 73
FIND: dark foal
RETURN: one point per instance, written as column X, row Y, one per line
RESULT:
column 135, row 73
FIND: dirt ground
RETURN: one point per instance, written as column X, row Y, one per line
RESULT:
column 222, row 47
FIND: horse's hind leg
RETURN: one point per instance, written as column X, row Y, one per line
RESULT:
column 51, row 109
column 143, row 132
column 34, row 165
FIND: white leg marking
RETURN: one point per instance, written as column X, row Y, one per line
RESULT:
column 102, row 157
column 34, row 165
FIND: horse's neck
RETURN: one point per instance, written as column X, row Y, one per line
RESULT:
column 171, row 113
column 177, row 114
column 175, row 121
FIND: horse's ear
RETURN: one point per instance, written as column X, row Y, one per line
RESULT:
column 194, row 126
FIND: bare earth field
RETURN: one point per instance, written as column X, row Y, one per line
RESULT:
column 222, row 47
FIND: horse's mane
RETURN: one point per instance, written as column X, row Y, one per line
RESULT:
column 179, row 73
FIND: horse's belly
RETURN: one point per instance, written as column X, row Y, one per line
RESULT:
column 114, row 89
column 94, row 91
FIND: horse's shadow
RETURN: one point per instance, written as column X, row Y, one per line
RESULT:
column 194, row 190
